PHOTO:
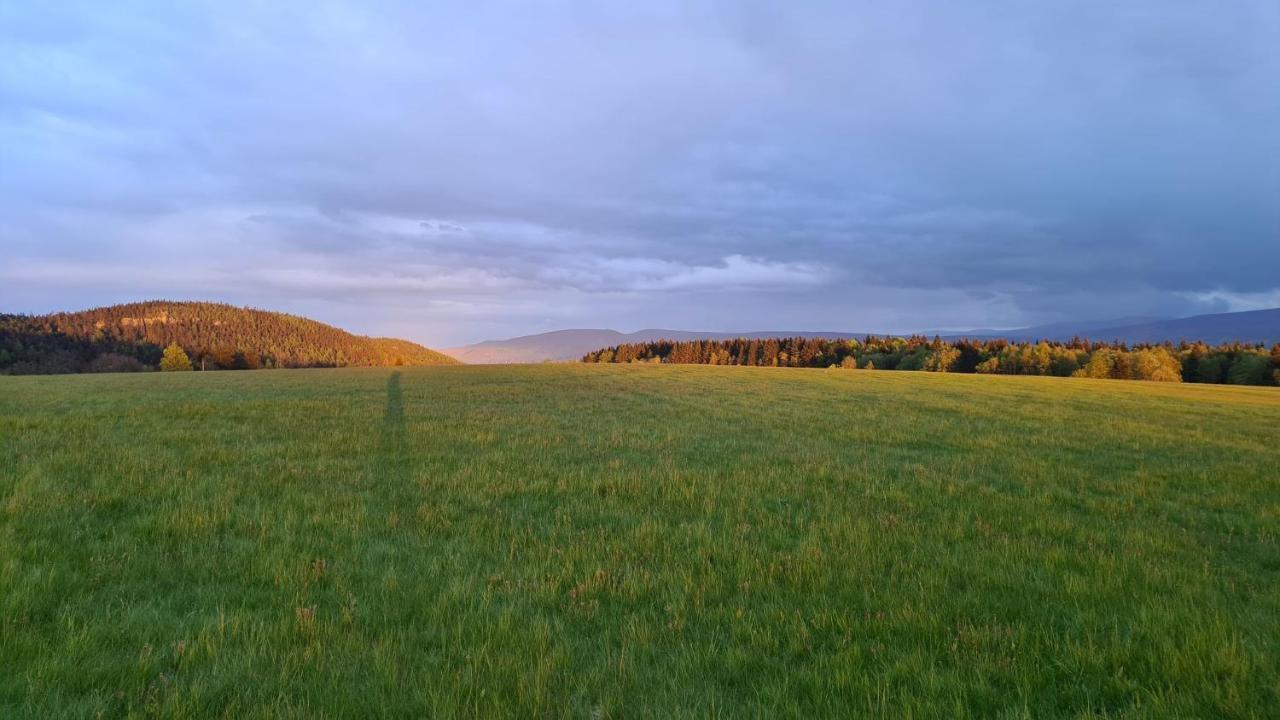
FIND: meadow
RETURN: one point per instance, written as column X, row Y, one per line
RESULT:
column 615, row 541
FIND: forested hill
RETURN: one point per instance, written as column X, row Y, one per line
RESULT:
column 214, row 336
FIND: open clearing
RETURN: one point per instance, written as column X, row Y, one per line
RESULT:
column 636, row 541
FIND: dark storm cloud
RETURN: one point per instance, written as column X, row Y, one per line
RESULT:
column 456, row 172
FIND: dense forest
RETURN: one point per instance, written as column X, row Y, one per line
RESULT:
column 122, row 338
column 1236, row 363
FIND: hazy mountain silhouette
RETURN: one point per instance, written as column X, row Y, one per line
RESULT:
column 1261, row 326
column 561, row 345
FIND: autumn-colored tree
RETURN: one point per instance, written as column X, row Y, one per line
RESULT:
column 1065, row 362
column 175, row 359
column 1100, row 365
column 249, row 360
column 224, row 358
column 1156, row 364
column 941, row 358
column 988, row 366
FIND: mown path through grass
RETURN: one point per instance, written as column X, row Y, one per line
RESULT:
column 636, row 541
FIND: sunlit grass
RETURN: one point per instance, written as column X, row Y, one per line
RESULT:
column 625, row 541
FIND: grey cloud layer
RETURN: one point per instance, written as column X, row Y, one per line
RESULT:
column 858, row 165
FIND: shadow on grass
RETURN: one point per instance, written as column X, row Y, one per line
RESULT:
column 395, row 461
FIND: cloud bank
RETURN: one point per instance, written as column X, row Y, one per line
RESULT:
column 450, row 173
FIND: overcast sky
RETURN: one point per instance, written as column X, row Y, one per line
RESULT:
column 451, row 172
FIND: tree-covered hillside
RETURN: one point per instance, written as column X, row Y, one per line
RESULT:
column 215, row 336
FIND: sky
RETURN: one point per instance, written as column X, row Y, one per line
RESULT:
column 451, row 172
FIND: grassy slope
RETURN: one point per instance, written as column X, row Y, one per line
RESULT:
column 636, row 541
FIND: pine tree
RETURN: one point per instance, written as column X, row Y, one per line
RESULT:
column 175, row 359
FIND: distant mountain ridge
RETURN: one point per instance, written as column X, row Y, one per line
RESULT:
column 214, row 335
column 1254, row 326
column 1249, row 326
column 1063, row 330
column 1260, row 326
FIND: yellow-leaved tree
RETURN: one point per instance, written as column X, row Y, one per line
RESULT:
column 175, row 358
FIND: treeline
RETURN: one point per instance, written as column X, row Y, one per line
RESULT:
column 1235, row 363
column 214, row 336
column 28, row 348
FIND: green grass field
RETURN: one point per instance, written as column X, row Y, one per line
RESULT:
column 636, row 541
